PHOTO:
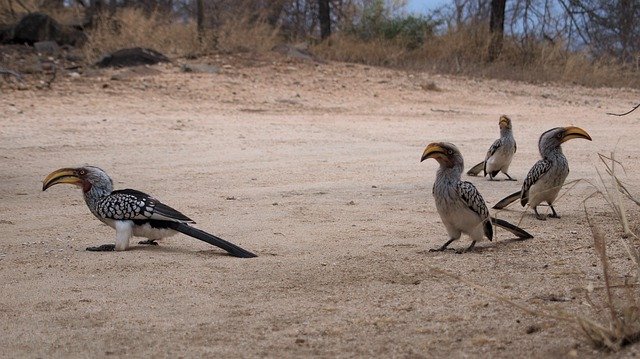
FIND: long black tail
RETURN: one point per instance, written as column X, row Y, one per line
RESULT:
column 507, row 200
column 475, row 170
column 519, row 232
column 211, row 239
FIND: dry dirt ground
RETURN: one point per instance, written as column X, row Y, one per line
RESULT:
column 315, row 167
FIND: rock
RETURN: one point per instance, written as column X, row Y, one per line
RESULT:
column 200, row 68
column 37, row 27
column 295, row 51
column 132, row 57
column 46, row 47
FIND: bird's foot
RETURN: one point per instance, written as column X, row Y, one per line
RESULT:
column 511, row 179
column 553, row 215
column 151, row 242
column 441, row 249
column 541, row 217
column 102, row 248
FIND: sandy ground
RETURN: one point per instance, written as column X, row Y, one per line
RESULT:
column 315, row 167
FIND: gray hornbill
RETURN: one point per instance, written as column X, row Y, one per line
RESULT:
column 460, row 205
column 500, row 153
column 546, row 177
column 131, row 212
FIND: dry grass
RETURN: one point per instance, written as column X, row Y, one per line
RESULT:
column 464, row 51
column 616, row 323
column 131, row 28
column 246, row 35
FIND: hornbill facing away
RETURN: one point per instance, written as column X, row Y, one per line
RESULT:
column 460, row 205
column 546, row 177
column 500, row 153
column 131, row 212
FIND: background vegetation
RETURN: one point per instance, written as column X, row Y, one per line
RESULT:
column 588, row 42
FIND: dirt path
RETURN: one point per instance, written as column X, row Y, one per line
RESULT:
column 315, row 168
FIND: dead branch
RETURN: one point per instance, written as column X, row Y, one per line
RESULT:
column 624, row 114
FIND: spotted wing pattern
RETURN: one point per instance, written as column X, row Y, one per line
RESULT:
column 494, row 147
column 473, row 199
column 540, row 168
column 136, row 205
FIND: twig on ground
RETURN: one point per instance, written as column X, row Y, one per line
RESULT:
column 624, row 114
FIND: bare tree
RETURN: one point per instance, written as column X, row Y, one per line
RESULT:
column 324, row 16
column 496, row 28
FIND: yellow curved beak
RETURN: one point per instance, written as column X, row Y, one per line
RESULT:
column 432, row 151
column 63, row 175
column 504, row 121
column 572, row 132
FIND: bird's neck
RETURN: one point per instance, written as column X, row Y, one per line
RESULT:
column 449, row 174
column 506, row 132
column 95, row 194
column 552, row 153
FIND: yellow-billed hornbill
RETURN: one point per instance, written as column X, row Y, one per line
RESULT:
column 131, row 212
column 460, row 205
column 500, row 153
column 546, row 177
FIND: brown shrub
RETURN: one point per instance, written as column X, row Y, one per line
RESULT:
column 464, row 51
column 246, row 35
column 130, row 27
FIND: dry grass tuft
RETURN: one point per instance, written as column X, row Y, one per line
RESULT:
column 247, row 35
column 430, row 86
column 131, row 27
column 464, row 51
column 621, row 324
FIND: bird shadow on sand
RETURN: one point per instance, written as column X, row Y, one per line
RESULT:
column 177, row 250
column 485, row 247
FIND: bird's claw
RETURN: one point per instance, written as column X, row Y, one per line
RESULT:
column 551, row 215
column 151, row 242
column 102, row 248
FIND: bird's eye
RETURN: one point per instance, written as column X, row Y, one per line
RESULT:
column 449, row 152
column 82, row 172
column 559, row 135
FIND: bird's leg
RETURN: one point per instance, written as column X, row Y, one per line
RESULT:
column 538, row 215
column 151, row 242
column 444, row 246
column 124, row 231
column 102, row 248
column 473, row 244
column 509, row 178
column 553, row 212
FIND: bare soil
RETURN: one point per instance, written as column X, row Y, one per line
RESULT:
column 315, row 167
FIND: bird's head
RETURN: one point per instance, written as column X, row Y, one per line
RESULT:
column 447, row 154
column 86, row 177
column 554, row 137
column 505, row 122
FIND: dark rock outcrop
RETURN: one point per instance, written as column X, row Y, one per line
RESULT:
column 37, row 27
column 132, row 57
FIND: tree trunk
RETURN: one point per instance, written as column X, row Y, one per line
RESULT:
column 324, row 16
column 496, row 28
column 200, row 19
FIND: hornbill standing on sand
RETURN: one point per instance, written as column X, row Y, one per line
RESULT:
column 460, row 205
column 546, row 177
column 131, row 212
column 500, row 153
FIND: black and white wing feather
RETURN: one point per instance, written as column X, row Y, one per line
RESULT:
column 135, row 205
column 474, row 201
column 494, row 147
column 538, row 170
